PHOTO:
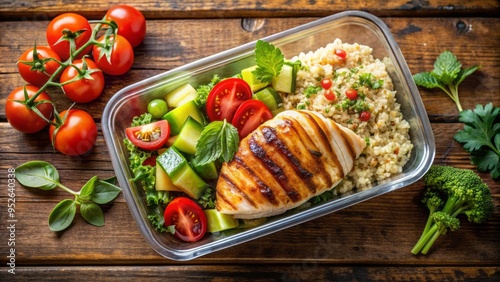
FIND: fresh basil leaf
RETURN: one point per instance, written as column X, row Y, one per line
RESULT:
column 62, row 215
column 218, row 141
column 269, row 61
column 104, row 192
column 38, row 174
column 92, row 213
column 447, row 67
column 87, row 189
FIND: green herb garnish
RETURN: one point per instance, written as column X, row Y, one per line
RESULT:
column 269, row 61
column 447, row 75
column 481, row 137
column 44, row 176
column 370, row 80
column 218, row 141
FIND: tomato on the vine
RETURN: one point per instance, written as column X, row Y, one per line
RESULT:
column 225, row 98
column 37, row 64
column 21, row 116
column 84, row 89
column 121, row 55
column 249, row 115
column 151, row 136
column 187, row 218
column 76, row 135
column 68, row 26
column 131, row 23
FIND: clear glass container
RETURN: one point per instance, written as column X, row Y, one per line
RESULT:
column 350, row 26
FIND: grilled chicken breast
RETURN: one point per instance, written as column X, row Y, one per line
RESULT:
column 284, row 162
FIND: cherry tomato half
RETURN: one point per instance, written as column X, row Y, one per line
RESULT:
column 326, row 83
column 249, row 116
column 58, row 28
column 131, row 23
column 225, row 98
column 83, row 90
column 150, row 136
column 329, row 94
column 77, row 135
column 21, row 117
column 364, row 116
column 121, row 59
column 188, row 219
column 341, row 53
column 352, row 94
column 36, row 68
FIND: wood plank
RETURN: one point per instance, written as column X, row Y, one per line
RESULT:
column 29, row 10
column 303, row 271
column 361, row 234
column 415, row 37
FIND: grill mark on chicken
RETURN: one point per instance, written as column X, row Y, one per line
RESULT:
column 227, row 179
column 326, row 141
column 271, row 138
column 346, row 141
column 320, row 160
column 275, row 170
column 265, row 190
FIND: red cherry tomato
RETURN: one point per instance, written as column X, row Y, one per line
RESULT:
column 364, row 116
column 352, row 94
column 36, row 67
column 131, row 23
column 122, row 55
column 77, row 135
column 341, row 53
column 226, row 97
column 58, row 28
column 188, row 219
column 329, row 94
column 326, row 83
column 150, row 136
column 83, row 90
column 21, row 117
column 249, row 116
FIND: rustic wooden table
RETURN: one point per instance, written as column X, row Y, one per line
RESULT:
column 368, row 241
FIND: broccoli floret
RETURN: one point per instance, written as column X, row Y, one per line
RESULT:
column 451, row 192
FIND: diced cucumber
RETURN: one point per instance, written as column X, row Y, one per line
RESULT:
column 177, row 117
column 270, row 97
column 188, row 136
column 207, row 171
column 181, row 95
column 285, row 81
column 163, row 181
column 251, row 79
column 248, row 223
column 218, row 221
column 181, row 174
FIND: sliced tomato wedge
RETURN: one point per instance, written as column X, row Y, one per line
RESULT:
column 188, row 219
column 150, row 136
column 226, row 97
column 249, row 116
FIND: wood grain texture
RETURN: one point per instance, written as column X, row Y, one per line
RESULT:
column 368, row 241
column 39, row 10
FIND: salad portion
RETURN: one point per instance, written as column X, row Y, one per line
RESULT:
column 177, row 147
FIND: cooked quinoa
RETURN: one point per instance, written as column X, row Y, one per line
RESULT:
column 386, row 132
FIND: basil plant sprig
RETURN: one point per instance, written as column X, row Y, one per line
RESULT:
column 44, row 176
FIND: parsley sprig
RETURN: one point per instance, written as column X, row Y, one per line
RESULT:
column 481, row 137
column 269, row 61
column 447, row 75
